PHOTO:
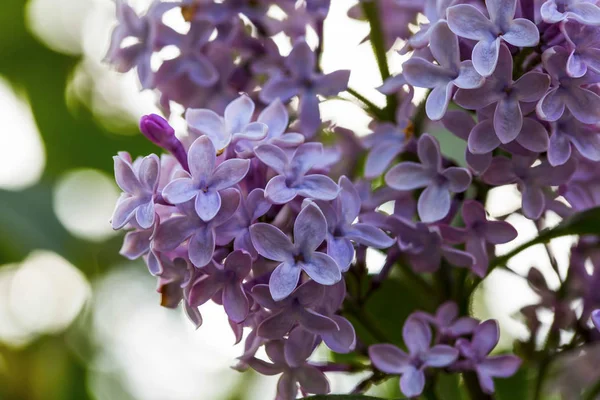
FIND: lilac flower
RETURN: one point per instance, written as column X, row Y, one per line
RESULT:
column 417, row 337
column 424, row 246
column 584, row 44
column 174, row 276
column 227, row 279
column 302, row 80
column 478, row 232
column 206, row 180
column 583, row 11
column 435, row 10
column 296, row 308
column 310, row 230
column 596, row 318
column 566, row 91
column 461, row 124
column 567, row 133
column 531, row 181
column 467, row 21
column 476, row 352
column 201, row 246
column 434, row 202
column 292, row 180
column 340, row 216
column 151, row 34
column 342, row 340
column 191, row 61
column 500, row 89
column 238, row 228
column 276, row 118
column 447, row 322
column 233, row 126
column 139, row 183
column 159, row 132
column 443, row 77
column 308, row 377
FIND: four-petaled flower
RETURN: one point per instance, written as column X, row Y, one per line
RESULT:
column 207, row 179
column 583, row 11
column 434, row 202
column 467, row 21
column 310, row 230
column 447, row 321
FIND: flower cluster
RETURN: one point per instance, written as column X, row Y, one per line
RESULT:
column 270, row 219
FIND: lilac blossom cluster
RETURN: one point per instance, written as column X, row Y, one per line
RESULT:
column 268, row 210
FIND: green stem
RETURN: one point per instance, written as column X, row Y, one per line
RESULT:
column 593, row 392
column 376, row 111
column 472, row 385
column 371, row 12
column 420, row 117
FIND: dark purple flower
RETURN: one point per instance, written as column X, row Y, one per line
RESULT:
column 417, row 337
column 584, row 44
column 434, row 202
column 531, row 180
column 139, row 182
column 159, row 132
column 441, row 77
column 447, row 322
column 582, row 11
column 500, row 89
column 235, row 124
column 567, row 133
column 341, row 215
column 567, row 91
column 292, row 180
column 467, row 21
column 201, row 246
column 228, row 279
column 476, row 352
column 302, row 80
column 207, row 179
column 310, row 230
column 298, row 307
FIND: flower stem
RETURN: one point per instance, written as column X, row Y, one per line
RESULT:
column 472, row 385
column 373, row 109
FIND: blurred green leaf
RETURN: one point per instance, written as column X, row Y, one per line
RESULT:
column 517, row 386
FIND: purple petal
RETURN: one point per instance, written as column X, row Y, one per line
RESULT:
column 422, row 73
column 342, row 341
column 508, row 119
column 124, row 211
column 256, row 204
column 202, row 247
column 522, row 33
column 272, row 156
column 305, row 157
column 417, row 336
column 534, row 201
column 308, row 114
column 235, row 302
column 310, row 229
column 301, row 60
column 230, row 202
column 583, row 104
column 596, row 319
column 312, row 380
column 277, row 191
column 298, row 347
column 551, row 107
column 341, row 250
column 262, row 295
column 388, row 358
column 319, row 187
column 369, row 235
column 408, row 176
column 271, row 243
column 485, row 381
column 207, row 204
column 485, row 337
column 322, row 269
column 333, row 83
column 203, row 290
column 468, row 77
column 276, row 326
column 533, row 136
column 279, row 87
column 444, row 46
column 500, row 366
column 145, row 214
column 437, row 101
column 483, row 138
column 499, row 232
column 434, row 203
column 459, row 179
column 263, row 367
column 284, row 280
column 500, row 172
column 136, row 244
column 125, row 176
column 412, row 382
column 172, row 232
column 473, row 212
column 240, row 263
column 315, row 322
column 149, row 172
column 275, row 116
column 349, row 200
column 460, row 123
column 440, row 356
column 428, row 150
column 584, row 12
column 238, row 114
column 229, row 173
column 501, row 11
column 468, row 22
column 380, row 157
column 457, row 257
column 201, row 71
column 485, row 56
column 202, row 157
column 532, row 86
column 559, row 149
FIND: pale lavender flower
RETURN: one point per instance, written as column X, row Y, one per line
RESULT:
column 508, row 95
column 417, row 337
column 341, row 215
column 227, row 279
column 207, row 179
column 584, row 46
column 292, row 180
column 567, row 133
column 441, row 77
column 139, row 182
column 467, row 21
column 447, row 322
column 439, row 182
column 201, row 246
column 476, row 351
column 310, row 229
column 583, row 11
column 531, row 181
column 302, row 80
column 567, row 92
column 235, row 124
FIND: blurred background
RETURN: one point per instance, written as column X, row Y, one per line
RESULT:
column 77, row 321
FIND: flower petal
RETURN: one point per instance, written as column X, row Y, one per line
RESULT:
column 440, row 356
column 284, row 280
column 483, row 138
column 238, row 114
column 210, row 124
column 228, row 173
column 272, row 156
column 434, row 203
column 322, row 269
column 207, row 204
column 408, row 176
column 412, row 382
column 522, row 32
column 508, row 119
column 417, row 336
column 277, row 191
column 235, row 302
column 202, row 246
column 485, row 56
column 317, row 186
column 467, row 21
column 271, row 243
column 388, row 358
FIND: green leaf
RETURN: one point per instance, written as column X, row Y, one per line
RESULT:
column 344, row 397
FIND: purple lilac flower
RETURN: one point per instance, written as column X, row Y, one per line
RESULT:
column 292, row 180
column 583, row 11
column 567, row 133
column 139, row 182
column 308, row 377
column 476, row 351
column 342, row 340
column 302, row 80
column 417, row 337
column 439, row 182
column 159, row 132
column 566, row 91
column 174, row 275
column 441, row 77
column 342, row 231
column 467, row 21
column 584, row 46
column 149, row 32
column 227, row 279
column 207, row 179
column 298, row 307
column 596, row 318
column 500, row 89
column 435, row 10
column 201, row 234
column 235, row 124
column 310, row 230
column 531, row 181
column 447, row 322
